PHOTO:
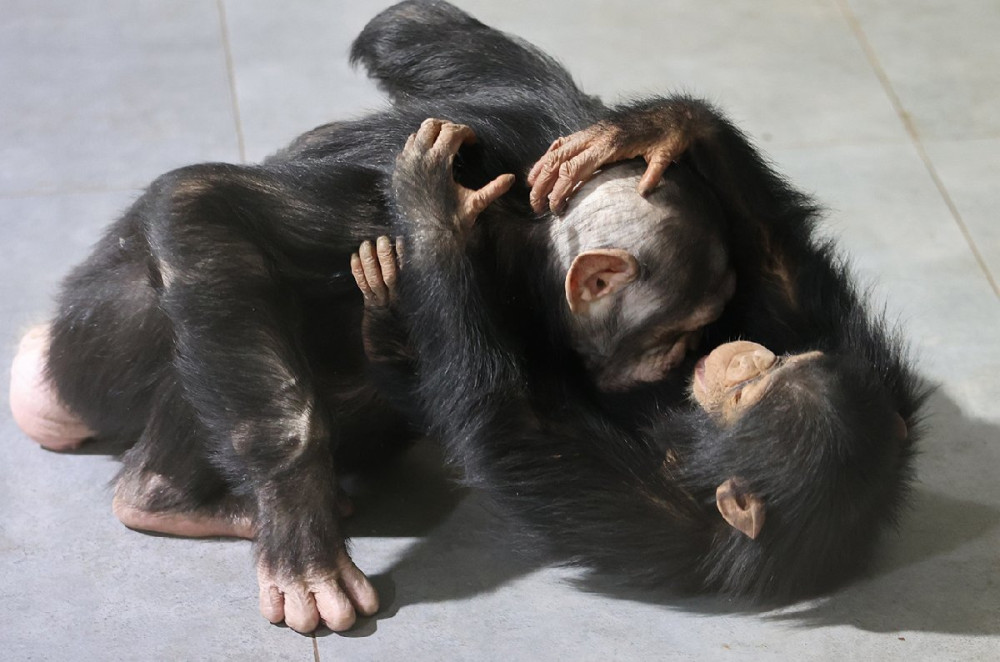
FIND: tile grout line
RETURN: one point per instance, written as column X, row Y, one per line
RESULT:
column 231, row 74
column 315, row 648
column 56, row 192
column 911, row 129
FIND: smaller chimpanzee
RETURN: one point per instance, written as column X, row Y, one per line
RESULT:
column 817, row 442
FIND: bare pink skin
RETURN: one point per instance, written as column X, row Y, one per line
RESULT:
column 187, row 525
column 33, row 400
column 572, row 160
column 303, row 601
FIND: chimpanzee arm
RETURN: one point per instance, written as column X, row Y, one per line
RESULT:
column 435, row 220
column 392, row 362
column 577, row 487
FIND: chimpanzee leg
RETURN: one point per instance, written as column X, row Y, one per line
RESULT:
column 424, row 50
column 167, row 483
column 239, row 359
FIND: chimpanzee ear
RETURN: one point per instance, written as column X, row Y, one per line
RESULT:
column 596, row 274
column 900, row 427
column 743, row 511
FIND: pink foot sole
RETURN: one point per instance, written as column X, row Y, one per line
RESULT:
column 33, row 401
column 188, row 525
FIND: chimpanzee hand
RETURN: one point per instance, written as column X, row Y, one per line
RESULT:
column 303, row 599
column 376, row 272
column 425, row 188
column 659, row 135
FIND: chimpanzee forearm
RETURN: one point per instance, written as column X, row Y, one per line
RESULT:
column 392, row 361
column 236, row 352
column 792, row 291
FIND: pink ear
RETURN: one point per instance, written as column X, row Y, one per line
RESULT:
column 900, row 426
column 744, row 512
column 596, row 274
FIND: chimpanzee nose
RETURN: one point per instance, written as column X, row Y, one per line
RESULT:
column 748, row 365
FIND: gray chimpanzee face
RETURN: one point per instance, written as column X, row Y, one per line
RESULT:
column 683, row 280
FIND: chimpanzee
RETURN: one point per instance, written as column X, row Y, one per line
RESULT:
column 215, row 327
column 774, row 485
column 823, row 447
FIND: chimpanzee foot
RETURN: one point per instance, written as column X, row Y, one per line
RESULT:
column 33, row 400
column 148, row 501
column 333, row 596
column 226, row 519
column 188, row 525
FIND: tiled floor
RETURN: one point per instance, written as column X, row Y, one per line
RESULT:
column 887, row 111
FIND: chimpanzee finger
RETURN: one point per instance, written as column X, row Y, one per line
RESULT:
column 481, row 199
column 655, row 168
column 453, row 136
column 400, row 252
column 427, row 133
column 387, row 264
column 335, row 608
column 535, row 169
column 545, row 179
column 301, row 612
column 409, row 142
column 373, row 273
column 272, row 603
column 359, row 589
column 359, row 277
column 573, row 172
column 548, row 172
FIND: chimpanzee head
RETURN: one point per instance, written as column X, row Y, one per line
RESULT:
column 807, row 459
column 643, row 276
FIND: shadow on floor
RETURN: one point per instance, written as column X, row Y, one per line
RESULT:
column 935, row 575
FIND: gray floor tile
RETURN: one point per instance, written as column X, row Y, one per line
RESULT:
column 941, row 58
column 144, row 84
column 788, row 71
column 891, row 220
column 43, row 236
column 291, row 67
column 970, row 169
column 791, row 72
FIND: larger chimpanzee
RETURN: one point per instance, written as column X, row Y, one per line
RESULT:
column 215, row 328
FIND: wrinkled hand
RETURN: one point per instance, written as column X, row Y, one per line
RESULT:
column 572, row 160
column 376, row 271
column 334, row 596
column 425, row 186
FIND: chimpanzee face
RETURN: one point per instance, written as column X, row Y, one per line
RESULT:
column 735, row 376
